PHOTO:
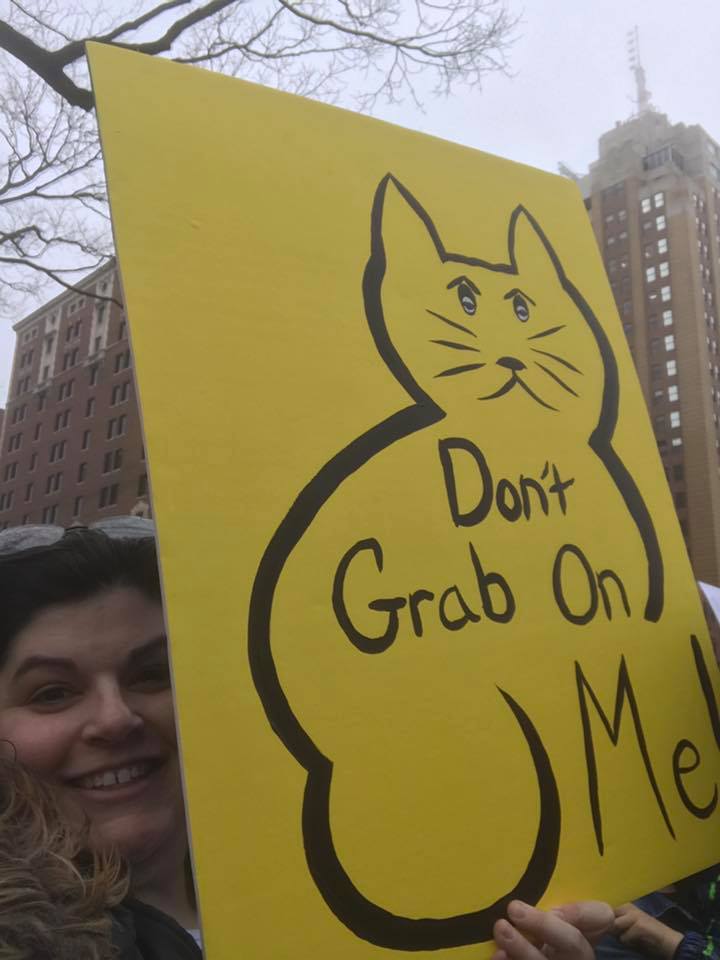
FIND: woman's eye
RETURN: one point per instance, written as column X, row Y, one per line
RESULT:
column 467, row 299
column 152, row 677
column 521, row 308
column 51, row 696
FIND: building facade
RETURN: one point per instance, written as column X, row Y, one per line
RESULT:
column 653, row 196
column 71, row 448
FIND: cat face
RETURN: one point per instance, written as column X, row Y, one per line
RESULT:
column 486, row 339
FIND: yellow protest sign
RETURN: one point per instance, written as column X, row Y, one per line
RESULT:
column 435, row 636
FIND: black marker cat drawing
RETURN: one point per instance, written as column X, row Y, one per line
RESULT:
column 508, row 434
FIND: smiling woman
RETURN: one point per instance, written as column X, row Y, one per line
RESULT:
column 86, row 702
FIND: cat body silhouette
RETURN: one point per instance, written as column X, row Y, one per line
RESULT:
column 398, row 616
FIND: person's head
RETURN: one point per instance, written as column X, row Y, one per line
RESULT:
column 85, row 694
column 54, row 893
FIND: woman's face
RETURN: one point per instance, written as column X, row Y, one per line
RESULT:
column 85, row 699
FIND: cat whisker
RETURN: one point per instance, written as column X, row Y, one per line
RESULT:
column 455, row 346
column 547, row 333
column 453, row 371
column 556, row 378
column 452, row 323
column 554, row 356
column 526, row 388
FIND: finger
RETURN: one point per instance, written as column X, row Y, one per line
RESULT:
column 513, row 944
column 593, row 918
column 553, row 929
column 624, row 922
column 624, row 908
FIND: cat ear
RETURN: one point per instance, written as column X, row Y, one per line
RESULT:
column 530, row 251
column 402, row 228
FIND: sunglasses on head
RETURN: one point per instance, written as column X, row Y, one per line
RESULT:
column 33, row 535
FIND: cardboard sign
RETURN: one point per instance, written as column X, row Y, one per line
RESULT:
column 436, row 640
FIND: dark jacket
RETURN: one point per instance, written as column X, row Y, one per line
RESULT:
column 141, row 932
column 693, row 910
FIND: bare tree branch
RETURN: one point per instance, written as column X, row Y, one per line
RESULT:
column 54, row 221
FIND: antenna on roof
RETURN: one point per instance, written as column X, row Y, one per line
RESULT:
column 642, row 94
column 566, row 171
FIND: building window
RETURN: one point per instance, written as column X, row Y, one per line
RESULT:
column 673, row 393
column 77, row 506
column 62, row 419
column 49, row 514
column 112, row 460
column 659, row 200
column 93, row 373
column 122, row 361
column 42, row 397
column 665, row 293
column 664, row 269
column 674, row 419
column 10, row 471
column 667, row 318
column 57, row 451
column 142, row 485
column 85, row 440
column 680, row 500
column 660, row 222
column 671, row 368
column 14, row 442
column 646, row 205
column 90, row 407
column 678, row 472
column 108, row 495
column 676, row 441
column 670, row 342
column 28, row 492
column 662, row 245
column 65, row 390
column 54, row 483
column 33, row 461
column 82, row 472
column 120, row 393
column 649, row 274
column 121, row 330
column 38, row 428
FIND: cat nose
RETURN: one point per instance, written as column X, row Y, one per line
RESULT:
column 511, row 363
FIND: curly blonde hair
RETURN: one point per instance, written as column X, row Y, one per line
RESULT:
column 55, row 893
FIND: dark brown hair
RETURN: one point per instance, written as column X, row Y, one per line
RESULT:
column 84, row 562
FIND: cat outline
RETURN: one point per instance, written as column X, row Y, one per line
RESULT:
column 365, row 918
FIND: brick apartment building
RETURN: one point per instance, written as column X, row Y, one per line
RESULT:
column 653, row 196
column 71, row 448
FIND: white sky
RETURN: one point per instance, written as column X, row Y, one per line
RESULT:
column 571, row 83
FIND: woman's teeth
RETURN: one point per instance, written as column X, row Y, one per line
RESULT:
column 113, row 778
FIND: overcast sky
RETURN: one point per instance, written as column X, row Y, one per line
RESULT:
column 571, row 83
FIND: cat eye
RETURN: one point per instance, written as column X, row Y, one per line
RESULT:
column 521, row 308
column 467, row 298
